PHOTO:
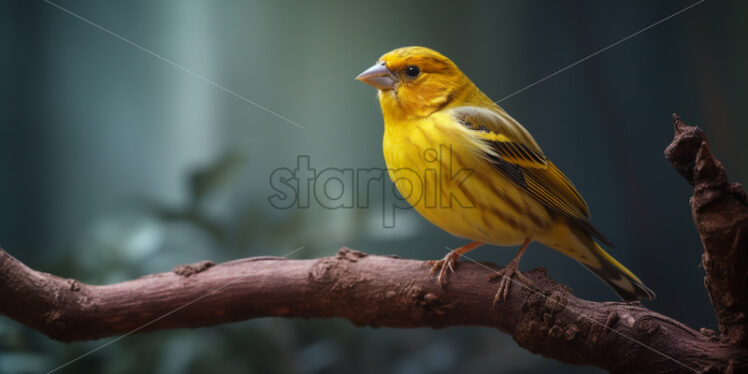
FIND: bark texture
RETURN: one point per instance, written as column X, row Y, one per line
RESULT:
column 387, row 291
column 720, row 213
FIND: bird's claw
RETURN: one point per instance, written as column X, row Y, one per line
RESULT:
column 512, row 269
column 444, row 266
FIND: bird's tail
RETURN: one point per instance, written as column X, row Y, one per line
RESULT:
column 620, row 279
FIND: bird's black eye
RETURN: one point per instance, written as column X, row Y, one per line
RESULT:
column 412, row 71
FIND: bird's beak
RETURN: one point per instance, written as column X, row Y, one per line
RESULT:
column 378, row 76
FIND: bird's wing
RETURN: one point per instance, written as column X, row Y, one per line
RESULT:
column 513, row 151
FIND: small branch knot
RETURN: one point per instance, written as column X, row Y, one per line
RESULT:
column 188, row 270
column 348, row 254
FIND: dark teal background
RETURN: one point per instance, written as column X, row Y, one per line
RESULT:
column 100, row 142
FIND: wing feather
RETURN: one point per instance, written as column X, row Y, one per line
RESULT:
column 514, row 153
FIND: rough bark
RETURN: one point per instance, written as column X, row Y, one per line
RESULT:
column 720, row 213
column 387, row 291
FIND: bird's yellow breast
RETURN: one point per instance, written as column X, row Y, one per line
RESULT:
column 440, row 172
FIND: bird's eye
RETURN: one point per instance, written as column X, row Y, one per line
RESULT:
column 412, row 71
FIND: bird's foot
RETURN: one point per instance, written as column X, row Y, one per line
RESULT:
column 512, row 269
column 443, row 266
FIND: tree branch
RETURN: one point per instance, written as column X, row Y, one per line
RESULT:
column 367, row 290
column 720, row 213
column 386, row 291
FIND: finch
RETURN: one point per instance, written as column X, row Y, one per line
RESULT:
column 507, row 193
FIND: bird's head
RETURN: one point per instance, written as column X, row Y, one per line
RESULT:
column 415, row 82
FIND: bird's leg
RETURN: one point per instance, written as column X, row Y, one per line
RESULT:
column 507, row 272
column 450, row 261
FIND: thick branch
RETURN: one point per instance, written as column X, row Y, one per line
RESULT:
column 720, row 213
column 367, row 290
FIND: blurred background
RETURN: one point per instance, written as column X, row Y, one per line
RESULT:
column 115, row 163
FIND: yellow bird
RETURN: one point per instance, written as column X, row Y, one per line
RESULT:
column 470, row 168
